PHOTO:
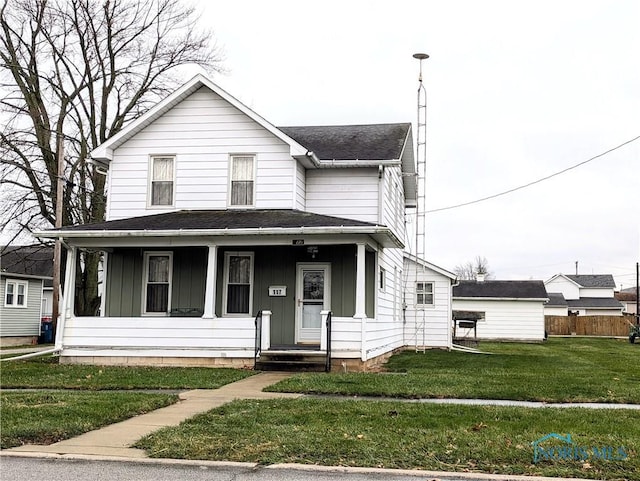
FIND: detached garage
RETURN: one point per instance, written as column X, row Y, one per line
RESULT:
column 505, row 310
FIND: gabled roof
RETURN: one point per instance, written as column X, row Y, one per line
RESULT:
column 250, row 222
column 36, row 260
column 412, row 258
column 594, row 303
column 588, row 280
column 500, row 290
column 594, row 280
column 556, row 299
column 353, row 142
column 104, row 152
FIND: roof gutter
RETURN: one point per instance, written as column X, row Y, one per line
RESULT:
column 345, row 164
column 86, row 234
column 479, row 298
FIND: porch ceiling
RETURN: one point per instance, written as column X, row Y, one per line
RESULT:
column 189, row 223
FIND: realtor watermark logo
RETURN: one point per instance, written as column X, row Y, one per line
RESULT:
column 568, row 450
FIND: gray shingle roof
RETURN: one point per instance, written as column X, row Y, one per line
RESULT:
column 594, row 280
column 556, row 299
column 501, row 289
column 28, row 260
column 221, row 219
column 594, row 303
column 352, row 142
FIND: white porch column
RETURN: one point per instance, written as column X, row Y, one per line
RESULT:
column 360, row 299
column 210, row 283
column 265, row 338
column 68, row 299
column 323, row 330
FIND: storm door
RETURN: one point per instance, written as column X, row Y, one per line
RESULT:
column 312, row 296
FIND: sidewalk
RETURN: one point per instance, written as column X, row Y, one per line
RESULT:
column 115, row 439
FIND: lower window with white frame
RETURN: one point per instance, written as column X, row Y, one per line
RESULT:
column 158, row 271
column 15, row 294
column 238, row 283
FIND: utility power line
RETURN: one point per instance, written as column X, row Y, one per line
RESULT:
column 575, row 166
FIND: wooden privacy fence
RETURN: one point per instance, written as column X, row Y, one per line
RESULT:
column 587, row 325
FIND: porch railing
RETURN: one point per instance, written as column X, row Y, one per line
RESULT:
column 327, row 365
column 258, row 339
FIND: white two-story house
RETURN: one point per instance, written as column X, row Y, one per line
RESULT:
column 229, row 240
column 582, row 294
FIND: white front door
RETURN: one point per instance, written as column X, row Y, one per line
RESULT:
column 313, row 287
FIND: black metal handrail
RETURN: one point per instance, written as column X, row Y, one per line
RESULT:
column 258, row 340
column 327, row 365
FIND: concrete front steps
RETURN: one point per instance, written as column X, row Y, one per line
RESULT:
column 298, row 360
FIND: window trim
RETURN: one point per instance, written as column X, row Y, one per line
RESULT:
column 230, row 180
column 16, row 283
column 225, row 289
column 145, row 280
column 424, row 292
column 150, row 204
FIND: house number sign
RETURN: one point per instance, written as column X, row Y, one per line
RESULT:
column 277, row 291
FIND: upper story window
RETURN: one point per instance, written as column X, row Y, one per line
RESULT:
column 242, row 180
column 15, row 294
column 161, row 182
column 424, row 293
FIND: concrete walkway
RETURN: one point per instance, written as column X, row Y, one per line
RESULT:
column 116, row 439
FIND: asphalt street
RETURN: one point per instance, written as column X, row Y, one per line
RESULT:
column 58, row 469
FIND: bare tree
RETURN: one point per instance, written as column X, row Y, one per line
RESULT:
column 470, row 270
column 72, row 74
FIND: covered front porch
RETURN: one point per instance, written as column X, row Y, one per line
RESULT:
column 225, row 304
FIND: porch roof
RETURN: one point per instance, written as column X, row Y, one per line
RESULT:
column 227, row 223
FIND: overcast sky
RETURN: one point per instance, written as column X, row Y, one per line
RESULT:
column 517, row 90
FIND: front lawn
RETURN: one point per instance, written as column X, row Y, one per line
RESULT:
column 405, row 435
column 45, row 417
column 46, row 372
column 560, row 370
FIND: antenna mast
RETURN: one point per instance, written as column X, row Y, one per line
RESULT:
column 421, row 159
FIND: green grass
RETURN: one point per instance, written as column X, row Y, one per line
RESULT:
column 401, row 435
column 46, row 372
column 560, row 370
column 51, row 416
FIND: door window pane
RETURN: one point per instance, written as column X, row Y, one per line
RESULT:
column 313, row 285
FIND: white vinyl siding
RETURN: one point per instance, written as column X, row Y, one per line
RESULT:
column 300, row 194
column 349, row 193
column 506, row 319
column 437, row 316
column 393, row 201
column 201, row 132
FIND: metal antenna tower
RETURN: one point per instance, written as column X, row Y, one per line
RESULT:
column 421, row 158
column 421, row 171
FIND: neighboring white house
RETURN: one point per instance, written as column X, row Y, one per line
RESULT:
column 25, row 292
column 627, row 298
column 228, row 238
column 583, row 294
column 427, row 302
column 504, row 310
